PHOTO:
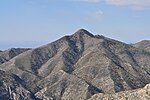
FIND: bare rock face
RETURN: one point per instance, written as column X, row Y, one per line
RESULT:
column 78, row 67
column 11, row 88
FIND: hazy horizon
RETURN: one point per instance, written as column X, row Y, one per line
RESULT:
column 31, row 23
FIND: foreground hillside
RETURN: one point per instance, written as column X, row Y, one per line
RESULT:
column 77, row 67
column 137, row 94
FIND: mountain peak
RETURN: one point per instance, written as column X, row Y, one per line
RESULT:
column 75, row 67
column 83, row 32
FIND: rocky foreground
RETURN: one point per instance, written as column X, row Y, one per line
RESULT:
column 137, row 94
column 81, row 66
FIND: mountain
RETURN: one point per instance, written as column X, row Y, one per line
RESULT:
column 10, row 53
column 78, row 67
column 145, row 45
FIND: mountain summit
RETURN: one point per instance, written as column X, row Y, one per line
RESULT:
column 83, row 32
column 75, row 67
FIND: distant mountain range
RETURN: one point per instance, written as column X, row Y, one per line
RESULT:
column 81, row 66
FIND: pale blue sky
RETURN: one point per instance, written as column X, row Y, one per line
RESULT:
column 31, row 23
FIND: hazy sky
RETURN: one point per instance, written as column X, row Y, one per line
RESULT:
column 29, row 23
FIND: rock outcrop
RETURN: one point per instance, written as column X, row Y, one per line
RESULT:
column 12, row 88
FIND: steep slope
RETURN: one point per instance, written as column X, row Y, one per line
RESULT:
column 10, row 53
column 79, row 66
column 11, row 88
column 145, row 45
column 114, row 66
column 65, row 86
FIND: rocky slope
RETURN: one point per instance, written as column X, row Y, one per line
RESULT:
column 10, row 53
column 137, row 94
column 11, row 88
column 78, row 66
